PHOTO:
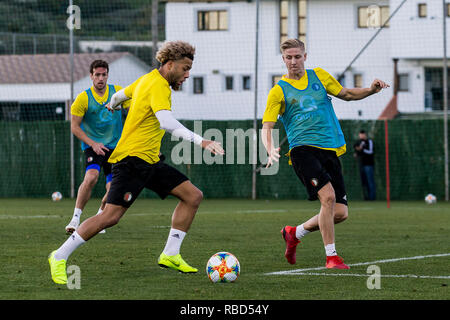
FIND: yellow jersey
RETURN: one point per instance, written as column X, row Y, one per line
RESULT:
column 80, row 105
column 142, row 135
column 275, row 101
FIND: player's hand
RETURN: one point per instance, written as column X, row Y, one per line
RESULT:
column 377, row 85
column 113, row 104
column 273, row 155
column 99, row 148
column 213, row 146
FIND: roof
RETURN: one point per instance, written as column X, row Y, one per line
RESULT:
column 49, row 68
column 390, row 111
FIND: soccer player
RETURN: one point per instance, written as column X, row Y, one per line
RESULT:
column 136, row 163
column 316, row 141
column 99, row 132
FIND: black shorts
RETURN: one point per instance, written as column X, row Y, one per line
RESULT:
column 132, row 174
column 316, row 167
column 95, row 161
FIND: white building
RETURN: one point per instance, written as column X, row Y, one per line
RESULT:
column 222, row 82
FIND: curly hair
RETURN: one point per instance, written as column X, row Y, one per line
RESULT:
column 292, row 43
column 175, row 50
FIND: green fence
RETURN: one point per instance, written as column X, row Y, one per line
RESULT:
column 35, row 161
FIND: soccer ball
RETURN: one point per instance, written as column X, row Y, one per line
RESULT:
column 223, row 267
column 430, row 198
column 56, row 196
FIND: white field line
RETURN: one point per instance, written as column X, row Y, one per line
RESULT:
column 367, row 275
column 28, row 217
column 140, row 214
column 260, row 211
column 213, row 212
column 298, row 271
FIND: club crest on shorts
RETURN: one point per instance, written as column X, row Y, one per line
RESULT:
column 127, row 197
column 90, row 159
column 314, row 182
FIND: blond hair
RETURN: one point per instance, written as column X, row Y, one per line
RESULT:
column 292, row 43
column 175, row 50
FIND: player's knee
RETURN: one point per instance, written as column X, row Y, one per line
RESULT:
column 196, row 198
column 91, row 177
column 341, row 215
column 110, row 220
column 328, row 199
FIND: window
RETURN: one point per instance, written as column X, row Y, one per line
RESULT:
column 198, row 85
column 212, row 20
column 448, row 9
column 284, row 12
column 275, row 79
column 357, row 80
column 246, row 83
column 373, row 16
column 434, row 88
column 403, row 82
column 340, row 78
column 422, row 10
column 302, row 20
column 229, row 83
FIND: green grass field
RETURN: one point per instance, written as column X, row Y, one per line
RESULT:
column 121, row 264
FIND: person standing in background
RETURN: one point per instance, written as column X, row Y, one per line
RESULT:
column 364, row 151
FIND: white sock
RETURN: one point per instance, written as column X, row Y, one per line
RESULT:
column 69, row 246
column 77, row 213
column 330, row 250
column 301, row 232
column 174, row 241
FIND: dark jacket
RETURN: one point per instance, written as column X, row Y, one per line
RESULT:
column 365, row 156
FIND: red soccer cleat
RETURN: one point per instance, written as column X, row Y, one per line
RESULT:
column 336, row 262
column 288, row 233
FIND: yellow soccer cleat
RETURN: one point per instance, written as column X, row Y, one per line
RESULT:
column 57, row 269
column 175, row 262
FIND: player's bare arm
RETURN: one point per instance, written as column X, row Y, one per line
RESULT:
column 272, row 152
column 349, row 94
column 75, row 126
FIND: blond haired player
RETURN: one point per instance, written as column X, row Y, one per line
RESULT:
column 316, row 141
column 136, row 163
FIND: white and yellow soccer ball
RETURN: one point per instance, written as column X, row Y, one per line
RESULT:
column 430, row 198
column 56, row 196
column 223, row 267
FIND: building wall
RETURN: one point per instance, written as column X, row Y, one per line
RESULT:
column 218, row 54
column 39, row 92
column 418, row 38
column 418, row 43
column 333, row 40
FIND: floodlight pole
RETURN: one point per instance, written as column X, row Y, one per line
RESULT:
column 255, row 121
column 155, row 4
column 445, row 97
column 72, row 142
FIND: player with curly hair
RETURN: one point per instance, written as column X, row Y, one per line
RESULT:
column 136, row 162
